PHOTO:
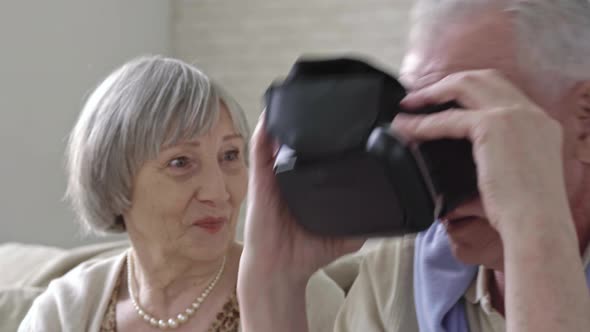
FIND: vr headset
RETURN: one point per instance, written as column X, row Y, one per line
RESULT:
column 340, row 168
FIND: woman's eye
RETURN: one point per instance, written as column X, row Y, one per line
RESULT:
column 180, row 162
column 231, row 155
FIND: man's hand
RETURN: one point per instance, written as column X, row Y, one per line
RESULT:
column 279, row 256
column 516, row 146
column 518, row 152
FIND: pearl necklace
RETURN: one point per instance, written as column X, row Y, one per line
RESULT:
column 182, row 317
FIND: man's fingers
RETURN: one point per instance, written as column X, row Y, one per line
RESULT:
column 453, row 124
column 471, row 89
column 261, row 153
column 432, row 95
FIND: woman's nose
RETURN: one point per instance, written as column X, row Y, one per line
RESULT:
column 212, row 186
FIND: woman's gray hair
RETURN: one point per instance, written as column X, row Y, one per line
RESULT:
column 553, row 35
column 146, row 103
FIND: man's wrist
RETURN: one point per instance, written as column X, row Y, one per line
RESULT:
column 272, row 271
column 271, row 303
column 536, row 221
column 534, row 237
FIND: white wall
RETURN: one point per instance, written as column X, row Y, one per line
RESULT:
column 247, row 44
column 51, row 54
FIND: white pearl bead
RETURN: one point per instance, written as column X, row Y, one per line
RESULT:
column 180, row 318
column 162, row 324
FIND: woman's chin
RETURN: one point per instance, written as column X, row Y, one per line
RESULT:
column 206, row 242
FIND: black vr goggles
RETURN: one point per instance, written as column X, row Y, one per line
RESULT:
column 340, row 169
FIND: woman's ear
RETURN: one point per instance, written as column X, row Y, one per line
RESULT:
column 583, row 118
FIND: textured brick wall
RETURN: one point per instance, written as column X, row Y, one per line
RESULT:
column 247, row 44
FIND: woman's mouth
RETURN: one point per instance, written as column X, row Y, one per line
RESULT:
column 211, row 225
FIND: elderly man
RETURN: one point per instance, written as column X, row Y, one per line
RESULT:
column 515, row 259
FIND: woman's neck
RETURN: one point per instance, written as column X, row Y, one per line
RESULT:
column 167, row 285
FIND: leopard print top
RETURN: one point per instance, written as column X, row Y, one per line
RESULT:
column 226, row 320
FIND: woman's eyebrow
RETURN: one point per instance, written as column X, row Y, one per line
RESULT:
column 232, row 136
column 192, row 143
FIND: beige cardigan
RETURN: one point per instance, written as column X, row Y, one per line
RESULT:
column 78, row 300
column 379, row 296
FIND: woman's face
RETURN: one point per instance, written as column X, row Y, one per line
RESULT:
column 187, row 201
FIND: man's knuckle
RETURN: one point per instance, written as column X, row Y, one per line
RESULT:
column 468, row 78
column 502, row 116
column 493, row 74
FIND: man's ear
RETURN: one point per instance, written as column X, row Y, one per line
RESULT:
column 583, row 118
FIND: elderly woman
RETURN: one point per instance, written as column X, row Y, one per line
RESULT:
column 159, row 152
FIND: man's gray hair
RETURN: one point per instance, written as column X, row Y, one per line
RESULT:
column 553, row 35
column 147, row 103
